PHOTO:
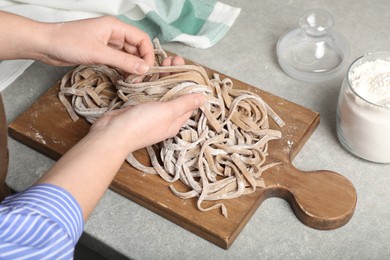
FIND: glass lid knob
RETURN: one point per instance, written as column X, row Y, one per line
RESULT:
column 316, row 22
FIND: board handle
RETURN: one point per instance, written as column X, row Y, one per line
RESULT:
column 320, row 199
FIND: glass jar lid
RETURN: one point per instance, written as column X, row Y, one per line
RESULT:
column 312, row 51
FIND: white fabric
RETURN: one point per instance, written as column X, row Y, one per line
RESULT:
column 10, row 70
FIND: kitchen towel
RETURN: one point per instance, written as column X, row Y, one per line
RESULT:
column 197, row 23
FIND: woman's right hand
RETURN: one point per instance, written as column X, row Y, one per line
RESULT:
column 148, row 123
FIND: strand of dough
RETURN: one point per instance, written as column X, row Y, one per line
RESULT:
column 220, row 153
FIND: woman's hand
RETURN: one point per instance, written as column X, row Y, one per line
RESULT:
column 148, row 123
column 103, row 40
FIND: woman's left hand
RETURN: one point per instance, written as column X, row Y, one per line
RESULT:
column 104, row 40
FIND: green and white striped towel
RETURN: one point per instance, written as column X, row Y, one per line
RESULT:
column 197, row 23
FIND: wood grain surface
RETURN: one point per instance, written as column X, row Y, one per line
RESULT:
column 321, row 199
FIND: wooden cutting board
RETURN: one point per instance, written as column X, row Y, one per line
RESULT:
column 320, row 199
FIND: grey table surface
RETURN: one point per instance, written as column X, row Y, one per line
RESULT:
column 120, row 228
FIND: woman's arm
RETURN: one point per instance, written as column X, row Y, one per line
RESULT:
column 104, row 40
column 88, row 168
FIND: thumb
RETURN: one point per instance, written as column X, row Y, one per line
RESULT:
column 182, row 108
column 186, row 103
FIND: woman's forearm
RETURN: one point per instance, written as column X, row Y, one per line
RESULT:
column 88, row 168
column 21, row 38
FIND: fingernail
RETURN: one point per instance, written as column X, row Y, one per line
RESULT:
column 141, row 67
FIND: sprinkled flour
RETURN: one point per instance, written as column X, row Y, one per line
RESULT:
column 363, row 127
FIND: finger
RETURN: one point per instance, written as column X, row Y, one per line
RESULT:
column 177, row 60
column 134, row 36
column 143, row 45
column 187, row 103
column 166, row 63
column 146, row 51
column 122, row 60
column 172, row 61
column 119, row 45
column 183, row 107
column 130, row 49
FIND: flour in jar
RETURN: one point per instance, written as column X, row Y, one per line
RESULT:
column 363, row 120
column 371, row 80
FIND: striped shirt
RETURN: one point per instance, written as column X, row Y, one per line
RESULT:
column 42, row 222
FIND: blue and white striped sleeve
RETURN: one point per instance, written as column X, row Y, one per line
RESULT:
column 42, row 222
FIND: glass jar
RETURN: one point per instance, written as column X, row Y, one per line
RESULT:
column 363, row 111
